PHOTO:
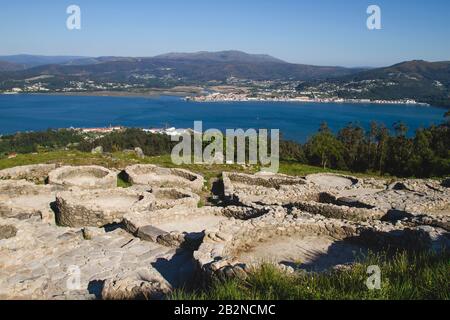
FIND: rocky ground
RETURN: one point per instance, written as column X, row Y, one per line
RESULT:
column 71, row 233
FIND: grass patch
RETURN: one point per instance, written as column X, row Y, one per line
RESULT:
column 119, row 160
column 121, row 183
column 293, row 168
column 404, row 276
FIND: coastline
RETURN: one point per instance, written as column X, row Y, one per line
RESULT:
column 186, row 95
column 318, row 101
column 153, row 93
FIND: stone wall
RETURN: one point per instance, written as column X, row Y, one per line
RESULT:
column 217, row 254
column 37, row 173
column 99, row 207
column 159, row 177
column 85, row 177
column 339, row 212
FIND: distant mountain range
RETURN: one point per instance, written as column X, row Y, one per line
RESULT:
column 200, row 66
column 420, row 80
column 222, row 56
column 24, row 61
column 10, row 66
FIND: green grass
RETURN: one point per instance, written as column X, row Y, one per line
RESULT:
column 293, row 168
column 403, row 277
column 122, row 183
column 120, row 160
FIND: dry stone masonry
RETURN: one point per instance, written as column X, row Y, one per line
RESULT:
column 71, row 233
column 303, row 241
column 88, row 177
column 35, row 173
column 21, row 199
column 162, row 177
column 99, row 207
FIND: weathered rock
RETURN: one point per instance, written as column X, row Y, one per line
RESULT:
column 330, row 210
column 426, row 220
column 332, row 181
column 139, row 153
column 175, row 227
column 47, row 262
column 409, row 197
column 97, row 150
column 150, row 233
column 265, row 189
column 89, row 233
column 85, row 177
column 7, row 231
column 166, row 198
column 146, row 284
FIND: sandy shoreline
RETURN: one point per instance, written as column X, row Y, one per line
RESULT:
column 153, row 93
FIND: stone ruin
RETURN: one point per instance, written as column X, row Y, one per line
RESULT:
column 145, row 240
column 176, row 226
column 22, row 200
column 342, row 197
column 98, row 208
column 332, row 181
column 298, row 240
column 165, row 198
column 265, row 189
column 88, row 177
column 33, row 173
column 158, row 177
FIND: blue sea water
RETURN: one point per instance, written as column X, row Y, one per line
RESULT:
column 297, row 121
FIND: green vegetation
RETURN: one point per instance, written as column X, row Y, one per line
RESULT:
column 29, row 142
column 151, row 144
column 353, row 150
column 405, row 276
column 121, row 183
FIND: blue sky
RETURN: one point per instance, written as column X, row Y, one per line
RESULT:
column 322, row 32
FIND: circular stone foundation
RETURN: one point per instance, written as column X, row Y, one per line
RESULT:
column 302, row 241
column 163, row 177
column 265, row 189
column 305, row 242
column 21, row 199
column 85, row 177
column 37, row 173
column 166, row 198
column 99, row 207
column 332, row 181
column 312, row 253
